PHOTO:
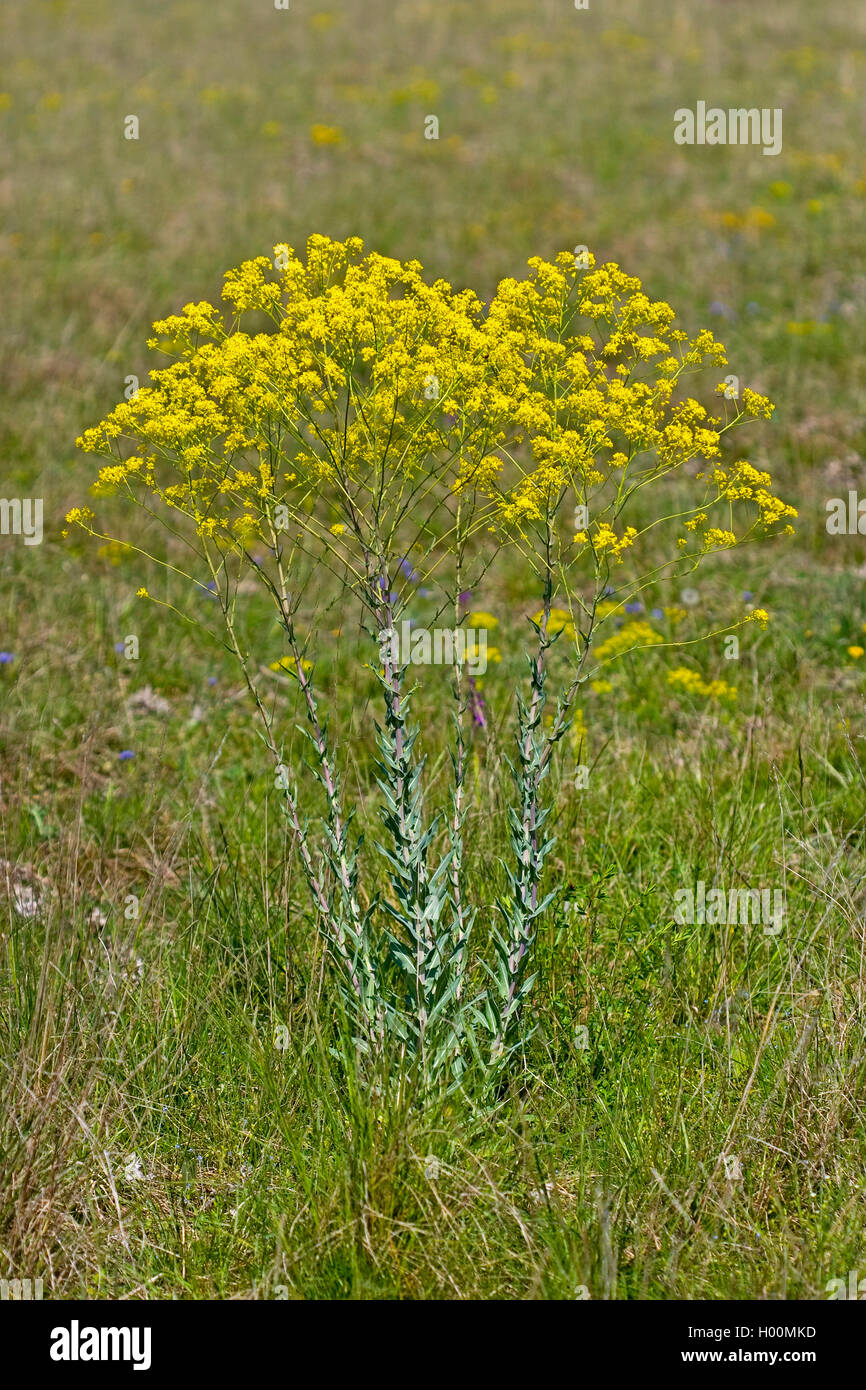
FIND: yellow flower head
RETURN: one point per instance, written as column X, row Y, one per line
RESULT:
column 482, row 619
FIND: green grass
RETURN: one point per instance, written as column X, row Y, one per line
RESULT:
column 267, row 1171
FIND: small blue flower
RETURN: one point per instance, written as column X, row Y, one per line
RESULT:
column 6, row 658
column 636, row 607
column 657, row 614
column 411, row 574
column 609, row 590
column 126, row 755
column 424, row 593
column 120, row 648
column 747, row 596
column 211, row 680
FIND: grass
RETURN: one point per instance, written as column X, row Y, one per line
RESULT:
column 195, row 1037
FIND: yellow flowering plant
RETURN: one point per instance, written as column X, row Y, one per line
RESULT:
column 380, row 417
column 595, row 371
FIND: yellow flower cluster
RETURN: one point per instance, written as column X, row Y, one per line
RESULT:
column 632, row 635
column 370, row 377
column 558, row 620
column 372, row 384
column 592, row 367
column 743, row 482
column 684, row 679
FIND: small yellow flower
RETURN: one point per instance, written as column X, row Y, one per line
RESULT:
column 482, row 619
column 337, row 529
column 759, row 615
column 558, row 621
column 287, row 663
column 855, row 652
column 142, row 593
column 326, row 135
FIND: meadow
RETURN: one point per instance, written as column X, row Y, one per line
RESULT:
column 176, row 1120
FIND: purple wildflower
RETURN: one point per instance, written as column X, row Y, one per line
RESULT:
column 476, row 704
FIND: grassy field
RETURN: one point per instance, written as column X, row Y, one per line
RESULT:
column 175, row 1124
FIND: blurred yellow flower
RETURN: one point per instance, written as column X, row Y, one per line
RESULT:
column 559, row 621
column 326, row 135
column 482, row 619
column 114, row 552
column 695, row 685
column 287, row 663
